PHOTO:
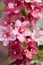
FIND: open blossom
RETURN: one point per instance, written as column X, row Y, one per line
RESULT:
column 37, row 36
column 28, row 54
column 14, row 7
column 16, row 49
column 5, row 33
column 32, row 46
column 18, row 29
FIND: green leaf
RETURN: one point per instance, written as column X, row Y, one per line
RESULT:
column 12, row 63
column 24, row 43
column 40, row 47
column 1, row 5
column 23, row 11
column 31, row 28
column 34, row 64
column 8, row 56
column 40, row 54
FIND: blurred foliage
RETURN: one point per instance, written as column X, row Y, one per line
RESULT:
column 39, row 57
column 12, row 63
column 1, row 15
column 34, row 64
column 1, row 10
column 0, row 63
column 8, row 56
column 41, row 54
column 1, row 5
column 40, row 47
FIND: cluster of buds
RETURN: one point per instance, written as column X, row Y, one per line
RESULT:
column 18, row 29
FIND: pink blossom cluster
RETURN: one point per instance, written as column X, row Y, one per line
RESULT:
column 18, row 27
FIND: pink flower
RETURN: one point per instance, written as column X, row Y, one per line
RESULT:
column 14, row 6
column 16, row 49
column 27, row 1
column 32, row 44
column 11, row 5
column 28, row 54
column 19, row 17
column 20, row 31
column 34, row 51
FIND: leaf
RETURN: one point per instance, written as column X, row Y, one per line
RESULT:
column 40, row 54
column 34, row 64
column 40, row 47
column 12, row 63
column 24, row 43
column 8, row 56
column 23, row 11
column 31, row 28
